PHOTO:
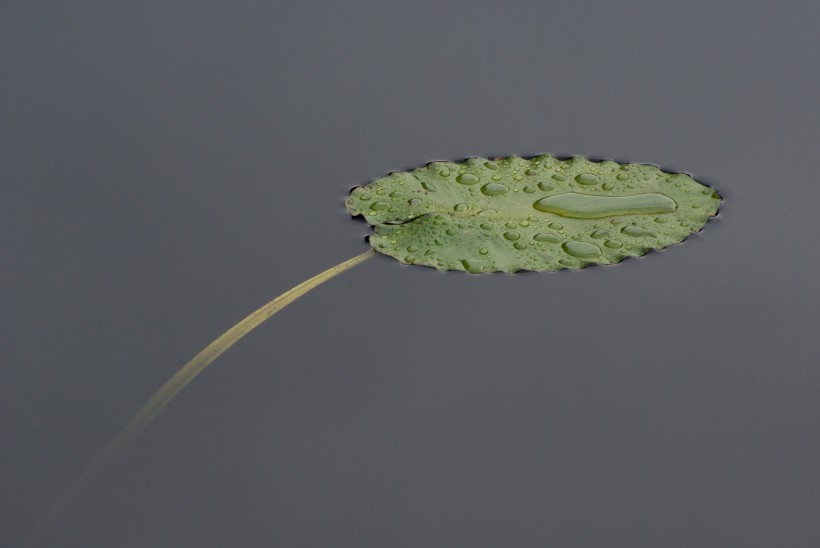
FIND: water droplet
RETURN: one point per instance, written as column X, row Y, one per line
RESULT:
column 412, row 248
column 491, row 165
column 531, row 172
column 545, row 187
column 414, row 202
column 559, row 177
column 444, row 172
column 524, row 223
column 467, row 179
column 428, row 186
column 496, row 177
column 612, row 244
column 486, row 226
column 474, row 266
column 483, row 250
column 520, row 246
column 637, row 231
column 661, row 219
column 607, row 186
column 438, row 242
column 460, row 207
column 598, row 234
column 582, row 250
column 509, row 224
column 450, row 232
column 529, row 189
column 587, row 179
column 622, row 176
column 486, row 212
column 588, row 206
column 549, row 238
column 517, row 177
column 494, row 189
column 379, row 206
column 566, row 262
column 512, row 236
column 555, row 226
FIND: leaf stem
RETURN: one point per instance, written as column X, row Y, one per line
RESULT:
column 188, row 372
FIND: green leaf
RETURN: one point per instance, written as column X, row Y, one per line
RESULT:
column 541, row 213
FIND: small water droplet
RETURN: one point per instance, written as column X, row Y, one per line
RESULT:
column 661, row 219
column 512, row 236
column 555, row 226
column 518, row 177
column 612, row 244
column 559, row 177
column 460, row 207
column 587, row 179
column 486, row 226
column 622, row 176
column 582, row 250
column 412, row 248
column 379, row 206
column 450, row 232
column 509, row 224
column 520, row 246
column 566, row 262
column 494, row 189
column 531, row 172
column 444, row 172
column 496, row 177
column 549, row 238
column 483, row 250
column 491, row 165
column 607, row 186
column 486, row 212
column 414, row 202
column 598, row 234
column 467, row 179
column 409, row 259
column 524, row 223
column 637, row 231
column 545, row 187
column 428, row 186
column 529, row 189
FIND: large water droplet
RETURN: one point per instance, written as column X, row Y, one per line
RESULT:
column 428, row 186
column 491, row 165
column 494, row 189
column 512, row 236
column 520, row 246
column 559, row 177
column 589, row 206
column 613, row 244
column 460, row 207
column 637, row 231
column 379, row 206
column 474, row 266
column 598, row 234
column 414, row 202
column 587, row 179
column 549, row 238
column 582, row 250
column 467, row 179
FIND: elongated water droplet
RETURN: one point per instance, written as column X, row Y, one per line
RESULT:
column 494, row 189
column 460, row 207
column 589, row 206
column 587, row 179
column 613, row 244
column 467, row 179
column 491, row 165
column 428, row 186
column 379, row 206
column 529, row 189
column 637, row 231
column 520, row 246
column 607, row 186
column 412, row 249
column 444, row 172
column 549, row 238
column 487, row 212
column 598, row 234
column 414, row 201
column 582, row 250
column 559, row 177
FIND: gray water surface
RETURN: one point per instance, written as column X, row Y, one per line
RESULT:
column 168, row 167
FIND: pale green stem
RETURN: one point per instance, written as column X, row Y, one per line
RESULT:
column 188, row 372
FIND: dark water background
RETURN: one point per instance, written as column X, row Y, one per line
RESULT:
column 167, row 167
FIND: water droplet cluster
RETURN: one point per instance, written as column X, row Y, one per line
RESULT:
column 541, row 213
